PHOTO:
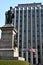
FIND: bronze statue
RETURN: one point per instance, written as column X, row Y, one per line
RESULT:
column 9, row 16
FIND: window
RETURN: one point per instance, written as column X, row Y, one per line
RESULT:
column 38, row 35
column 42, row 30
column 16, row 11
column 33, row 35
column 42, row 25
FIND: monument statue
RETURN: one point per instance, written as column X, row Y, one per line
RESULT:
column 9, row 16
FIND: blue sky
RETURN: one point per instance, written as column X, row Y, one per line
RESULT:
column 5, row 4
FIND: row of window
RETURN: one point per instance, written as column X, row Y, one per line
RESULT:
column 29, row 11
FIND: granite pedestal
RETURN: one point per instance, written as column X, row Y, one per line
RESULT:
column 7, row 49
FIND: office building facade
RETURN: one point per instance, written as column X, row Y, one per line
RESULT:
column 28, row 20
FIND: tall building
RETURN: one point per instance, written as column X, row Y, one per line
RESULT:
column 28, row 19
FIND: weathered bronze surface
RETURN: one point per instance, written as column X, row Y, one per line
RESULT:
column 9, row 16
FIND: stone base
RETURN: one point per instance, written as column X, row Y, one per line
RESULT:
column 10, row 54
column 21, row 58
column 8, row 51
column 11, row 58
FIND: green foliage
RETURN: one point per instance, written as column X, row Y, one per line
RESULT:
column 13, row 62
